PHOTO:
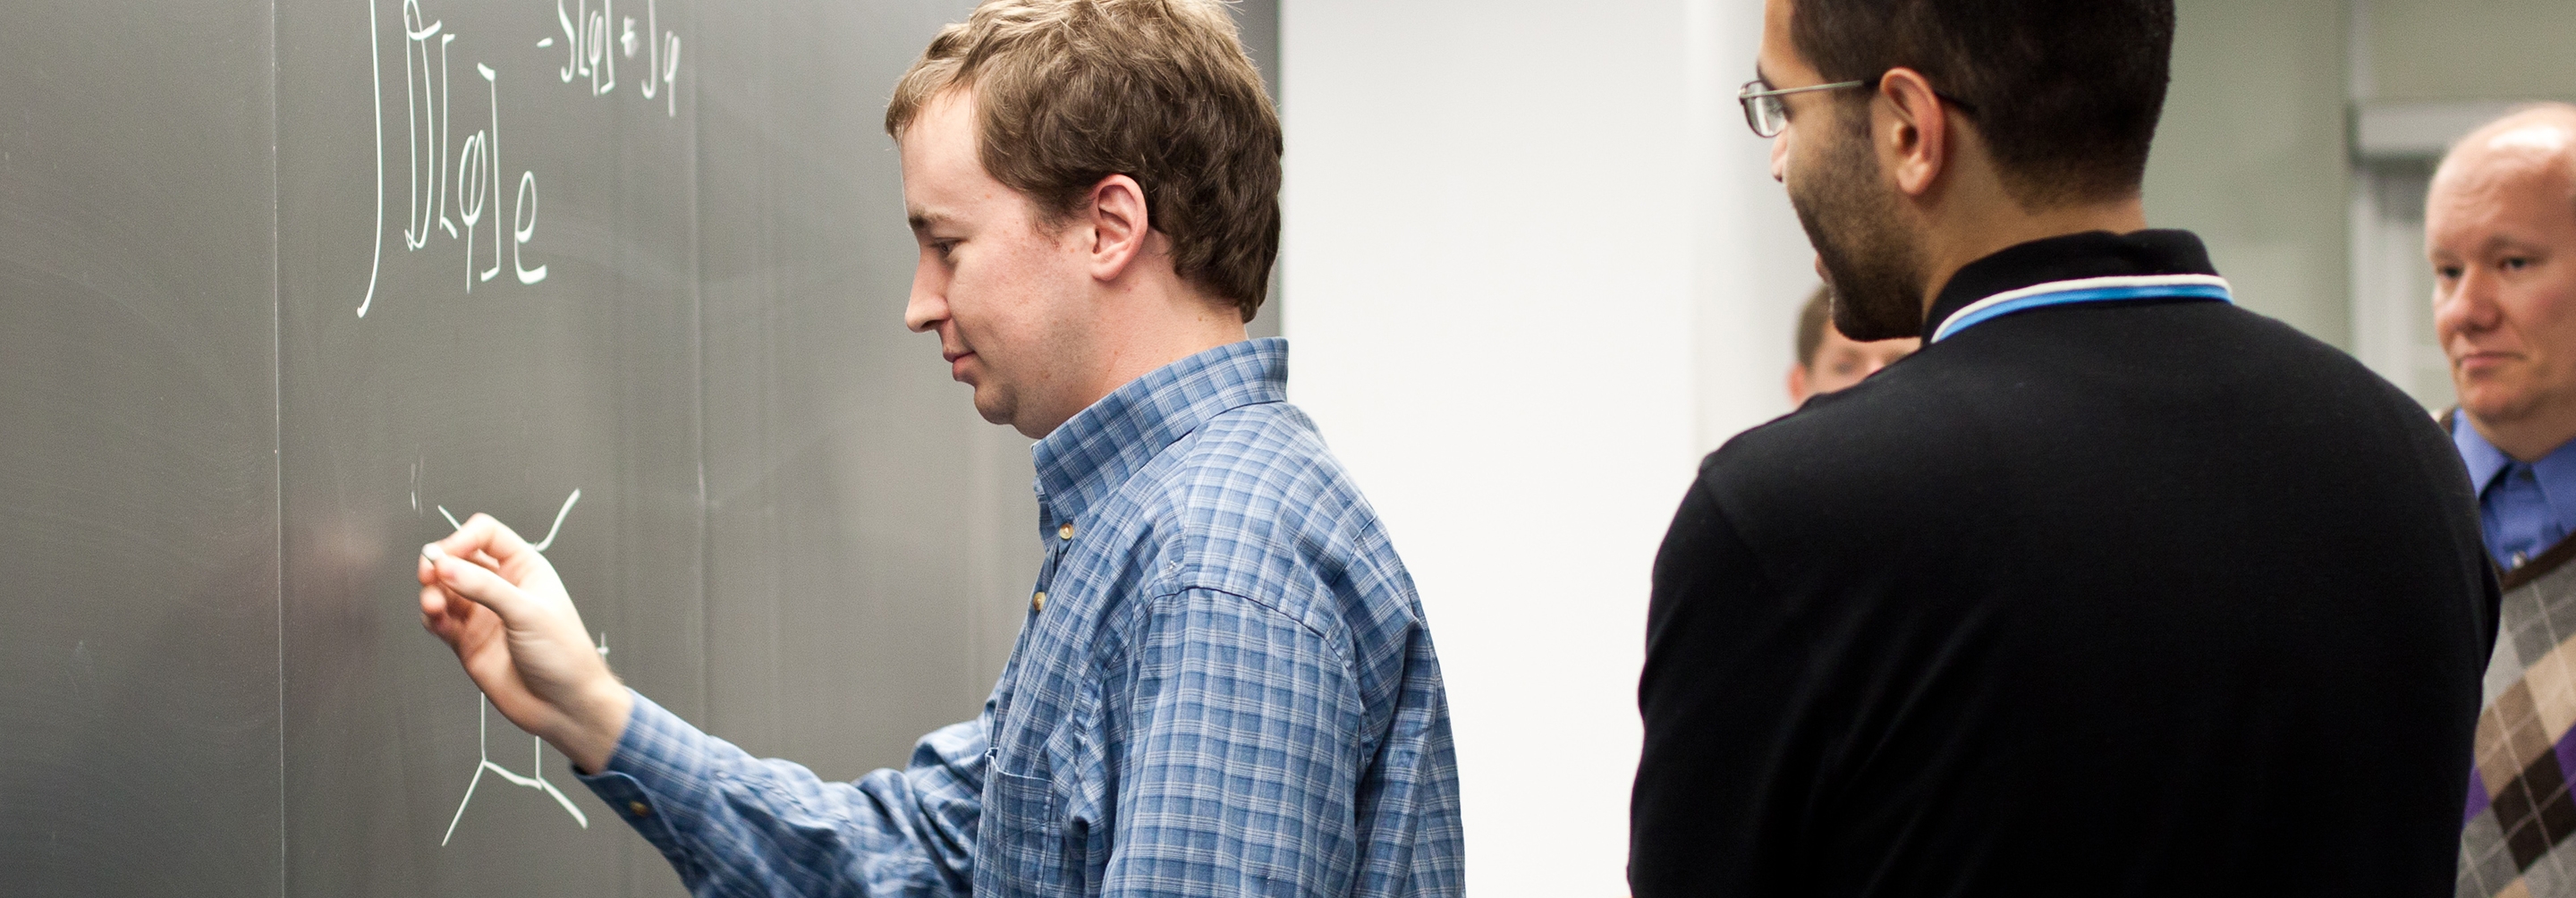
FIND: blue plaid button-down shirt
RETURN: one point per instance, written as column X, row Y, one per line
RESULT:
column 1227, row 690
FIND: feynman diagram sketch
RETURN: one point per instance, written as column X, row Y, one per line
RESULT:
column 536, row 767
column 480, row 180
column 536, row 777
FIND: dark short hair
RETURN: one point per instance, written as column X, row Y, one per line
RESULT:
column 2066, row 93
column 1813, row 318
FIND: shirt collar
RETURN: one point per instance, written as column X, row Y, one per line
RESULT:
column 1090, row 455
column 2092, row 254
column 2483, row 459
column 2556, row 471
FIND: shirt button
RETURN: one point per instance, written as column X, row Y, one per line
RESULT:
column 2519, row 559
column 1064, row 531
column 639, row 809
column 1038, row 602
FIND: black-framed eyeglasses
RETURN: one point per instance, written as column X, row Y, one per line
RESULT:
column 1768, row 115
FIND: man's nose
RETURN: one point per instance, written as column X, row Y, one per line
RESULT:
column 928, row 304
column 1780, row 157
column 2470, row 306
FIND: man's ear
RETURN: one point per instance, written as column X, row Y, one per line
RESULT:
column 1913, row 132
column 1797, row 384
column 1120, row 226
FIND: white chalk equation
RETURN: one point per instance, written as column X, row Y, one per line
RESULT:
column 591, row 53
column 481, row 183
column 456, row 183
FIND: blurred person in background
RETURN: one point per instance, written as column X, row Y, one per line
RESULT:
column 2500, row 231
column 2112, row 587
column 1829, row 361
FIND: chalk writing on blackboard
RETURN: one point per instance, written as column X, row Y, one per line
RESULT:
column 540, row 545
column 431, row 142
column 483, row 722
column 590, row 52
column 376, row 71
column 535, row 780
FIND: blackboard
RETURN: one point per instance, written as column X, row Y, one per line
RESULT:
column 283, row 284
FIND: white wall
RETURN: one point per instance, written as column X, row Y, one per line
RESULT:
column 2471, row 49
column 1539, row 269
column 1751, row 266
column 2251, row 154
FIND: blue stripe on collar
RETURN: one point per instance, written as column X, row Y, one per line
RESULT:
column 2084, row 290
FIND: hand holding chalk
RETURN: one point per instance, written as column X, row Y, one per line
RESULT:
column 500, row 606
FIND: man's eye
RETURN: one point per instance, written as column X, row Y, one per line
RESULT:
column 2447, row 272
column 2516, row 263
column 945, row 248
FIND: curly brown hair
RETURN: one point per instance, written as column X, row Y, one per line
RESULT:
column 1072, row 91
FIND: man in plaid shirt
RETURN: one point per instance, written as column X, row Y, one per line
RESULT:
column 1224, row 685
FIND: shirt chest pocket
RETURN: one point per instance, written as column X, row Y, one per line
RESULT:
column 1020, row 844
column 1034, row 838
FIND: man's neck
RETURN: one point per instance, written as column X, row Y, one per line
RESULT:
column 1156, row 343
column 1140, row 332
column 2003, row 224
column 2532, row 437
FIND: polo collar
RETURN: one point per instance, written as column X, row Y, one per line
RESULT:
column 1090, row 455
column 2088, row 267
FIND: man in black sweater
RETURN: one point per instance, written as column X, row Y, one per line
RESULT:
column 2113, row 588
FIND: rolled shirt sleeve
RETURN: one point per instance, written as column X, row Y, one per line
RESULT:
column 1223, row 686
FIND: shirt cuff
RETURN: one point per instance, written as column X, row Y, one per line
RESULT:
column 658, row 764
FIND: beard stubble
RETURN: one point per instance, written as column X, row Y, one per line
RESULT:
column 1850, row 215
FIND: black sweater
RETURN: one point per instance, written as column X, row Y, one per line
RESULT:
column 2154, row 597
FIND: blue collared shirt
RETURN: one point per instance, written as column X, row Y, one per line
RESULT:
column 1226, row 689
column 2525, row 508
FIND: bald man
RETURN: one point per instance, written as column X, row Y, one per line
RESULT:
column 2500, row 229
